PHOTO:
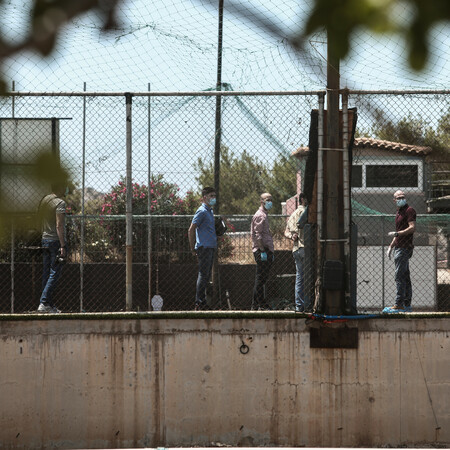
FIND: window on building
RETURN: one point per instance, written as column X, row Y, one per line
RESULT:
column 391, row 176
column 372, row 176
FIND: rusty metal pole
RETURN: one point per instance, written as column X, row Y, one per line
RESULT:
column 129, row 210
column 333, row 303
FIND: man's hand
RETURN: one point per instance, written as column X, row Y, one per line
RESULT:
column 393, row 234
column 389, row 251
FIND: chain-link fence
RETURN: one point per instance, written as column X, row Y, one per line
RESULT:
column 162, row 149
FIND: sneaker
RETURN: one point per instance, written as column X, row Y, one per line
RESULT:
column 47, row 309
column 393, row 309
column 408, row 308
column 201, row 307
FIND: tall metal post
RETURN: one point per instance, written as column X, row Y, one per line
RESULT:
column 13, row 232
column 129, row 208
column 149, row 207
column 218, row 128
column 83, row 219
column 333, row 304
column 217, row 144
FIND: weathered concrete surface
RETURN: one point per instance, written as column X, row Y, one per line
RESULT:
column 162, row 380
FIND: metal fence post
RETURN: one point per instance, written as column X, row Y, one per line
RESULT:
column 149, row 206
column 382, row 264
column 129, row 209
column 83, row 193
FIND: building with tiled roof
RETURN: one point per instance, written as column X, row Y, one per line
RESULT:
column 378, row 144
column 381, row 167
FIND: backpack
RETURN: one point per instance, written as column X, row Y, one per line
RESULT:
column 220, row 226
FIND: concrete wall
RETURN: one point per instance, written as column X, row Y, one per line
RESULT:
column 168, row 380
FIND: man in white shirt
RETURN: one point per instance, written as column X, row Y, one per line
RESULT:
column 294, row 233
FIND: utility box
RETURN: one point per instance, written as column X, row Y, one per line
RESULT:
column 333, row 275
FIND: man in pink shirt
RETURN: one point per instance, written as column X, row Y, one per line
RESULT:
column 262, row 246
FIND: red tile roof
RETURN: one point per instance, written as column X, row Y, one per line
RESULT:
column 380, row 144
column 393, row 146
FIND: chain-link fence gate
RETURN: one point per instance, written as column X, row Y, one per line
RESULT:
column 161, row 147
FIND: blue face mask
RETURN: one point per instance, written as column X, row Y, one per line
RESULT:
column 268, row 205
column 401, row 202
column 212, row 201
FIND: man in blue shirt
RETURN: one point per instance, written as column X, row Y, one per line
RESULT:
column 203, row 243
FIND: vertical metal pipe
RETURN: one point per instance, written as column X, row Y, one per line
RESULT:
column 13, row 99
column 13, row 245
column 217, row 145
column 383, row 281
column 12, row 223
column 83, row 212
column 129, row 208
column 149, row 206
column 218, row 128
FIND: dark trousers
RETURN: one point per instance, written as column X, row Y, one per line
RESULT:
column 403, row 276
column 205, row 262
column 262, row 274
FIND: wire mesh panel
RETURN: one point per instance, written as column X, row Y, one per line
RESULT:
column 402, row 144
column 174, row 149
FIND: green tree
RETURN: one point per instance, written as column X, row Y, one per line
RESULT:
column 243, row 179
column 414, row 131
column 283, row 180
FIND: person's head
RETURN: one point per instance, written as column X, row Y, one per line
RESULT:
column 209, row 196
column 59, row 189
column 302, row 199
column 399, row 198
column 266, row 201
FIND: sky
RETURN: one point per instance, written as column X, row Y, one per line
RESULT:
column 171, row 45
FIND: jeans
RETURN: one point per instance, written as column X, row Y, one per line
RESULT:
column 402, row 276
column 299, row 258
column 205, row 262
column 51, row 270
column 262, row 274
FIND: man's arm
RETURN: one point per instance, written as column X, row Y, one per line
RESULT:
column 291, row 232
column 410, row 230
column 60, row 225
column 191, row 234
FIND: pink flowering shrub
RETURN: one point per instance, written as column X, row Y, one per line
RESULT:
column 169, row 232
column 164, row 199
